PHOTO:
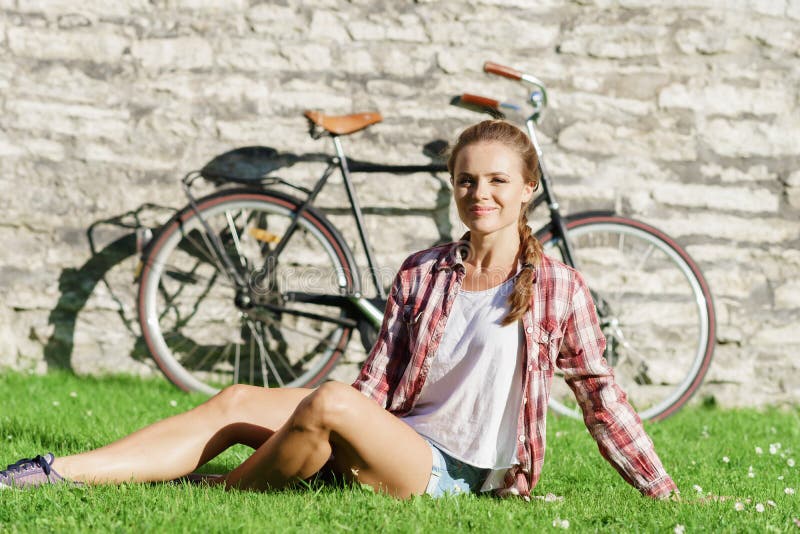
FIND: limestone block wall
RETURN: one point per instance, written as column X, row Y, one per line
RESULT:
column 681, row 113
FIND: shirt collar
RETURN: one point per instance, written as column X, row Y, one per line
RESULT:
column 454, row 254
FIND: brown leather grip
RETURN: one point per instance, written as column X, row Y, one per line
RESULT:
column 480, row 101
column 502, row 70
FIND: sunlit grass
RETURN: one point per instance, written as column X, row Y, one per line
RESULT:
column 747, row 456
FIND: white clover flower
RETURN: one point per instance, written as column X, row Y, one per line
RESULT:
column 759, row 508
column 788, row 491
column 560, row 523
column 780, row 477
column 697, row 488
column 750, row 473
column 9, row 437
column 759, row 450
column 56, row 403
column 726, row 459
column 790, row 462
column 773, row 448
column 173, row 403
column 73, row 394
column 679, row 529
column 89, row 413
column 771, row 503
column 738, row 506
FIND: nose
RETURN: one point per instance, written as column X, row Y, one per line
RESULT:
column 480, row 189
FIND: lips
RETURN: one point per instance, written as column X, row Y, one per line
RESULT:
column 481, row 210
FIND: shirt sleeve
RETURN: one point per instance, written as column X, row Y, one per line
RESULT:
column 611, row 420
column 384, row 367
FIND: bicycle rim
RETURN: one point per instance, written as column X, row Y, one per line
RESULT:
column 202, row 337
column 655, row 310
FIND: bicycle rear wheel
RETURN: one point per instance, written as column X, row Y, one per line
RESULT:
column 655, row 310
column 206, row 330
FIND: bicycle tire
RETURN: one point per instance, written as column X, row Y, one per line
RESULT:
column 192, row 324
column 661, row 313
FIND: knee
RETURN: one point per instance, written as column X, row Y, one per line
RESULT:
column 327, row 407
column 229, row 401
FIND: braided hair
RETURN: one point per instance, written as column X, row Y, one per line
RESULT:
column 502, row 132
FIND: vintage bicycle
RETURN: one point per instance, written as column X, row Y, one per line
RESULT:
column 251, row 284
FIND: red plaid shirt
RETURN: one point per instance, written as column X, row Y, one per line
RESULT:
column 561, row 328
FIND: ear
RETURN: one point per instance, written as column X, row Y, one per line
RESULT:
column 527, row 192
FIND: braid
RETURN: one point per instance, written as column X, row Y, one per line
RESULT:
column 531, row 255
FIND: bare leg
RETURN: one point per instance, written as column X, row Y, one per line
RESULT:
column 179, row 444
column 369, row 444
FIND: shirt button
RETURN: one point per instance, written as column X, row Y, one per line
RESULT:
column 529, row 330
column 524, row 400
column 530, row 368
column 545, row 338
column 522, row 439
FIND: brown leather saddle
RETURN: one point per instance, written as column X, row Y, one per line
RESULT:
column 343, row 124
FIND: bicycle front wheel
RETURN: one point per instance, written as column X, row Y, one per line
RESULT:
column 206, row 321
column 655, row 310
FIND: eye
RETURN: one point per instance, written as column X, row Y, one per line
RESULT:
column 465, row 180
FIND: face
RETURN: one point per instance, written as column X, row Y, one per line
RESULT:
column 489, row 189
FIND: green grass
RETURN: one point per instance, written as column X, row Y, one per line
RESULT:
column 65, row 414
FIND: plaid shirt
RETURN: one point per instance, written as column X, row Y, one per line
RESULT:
column 561, row 328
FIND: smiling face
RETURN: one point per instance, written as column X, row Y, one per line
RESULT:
column 489, row 189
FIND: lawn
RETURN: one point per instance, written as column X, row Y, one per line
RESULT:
column 747, row 455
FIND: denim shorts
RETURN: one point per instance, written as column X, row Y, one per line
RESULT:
column 453, row 477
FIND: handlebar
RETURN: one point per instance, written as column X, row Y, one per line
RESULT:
column 538, row 97
column 502, row 70
column 486, row 102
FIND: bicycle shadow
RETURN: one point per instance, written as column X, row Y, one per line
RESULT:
column 78, row 285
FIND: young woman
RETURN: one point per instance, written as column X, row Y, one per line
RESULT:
column 452, row 397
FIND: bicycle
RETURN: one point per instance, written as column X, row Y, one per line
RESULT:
column 250, row 284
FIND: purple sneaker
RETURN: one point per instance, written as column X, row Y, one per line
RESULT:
column 31, row 472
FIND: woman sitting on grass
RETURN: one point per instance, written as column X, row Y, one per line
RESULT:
column 453, row 396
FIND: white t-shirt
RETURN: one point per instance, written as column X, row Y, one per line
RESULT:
column 469, row 404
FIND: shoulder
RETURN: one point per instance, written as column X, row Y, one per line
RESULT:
column 550, row 268
column 417, row 269
column 424, row 260
column 553, row 275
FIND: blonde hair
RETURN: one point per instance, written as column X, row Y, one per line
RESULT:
column 498, row 131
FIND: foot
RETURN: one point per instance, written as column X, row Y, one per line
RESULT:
column 32, row 472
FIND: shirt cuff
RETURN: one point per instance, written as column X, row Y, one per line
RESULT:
column 661, row 488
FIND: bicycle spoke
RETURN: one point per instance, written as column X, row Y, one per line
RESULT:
column 264, row 355
column 168, row 299
column 206, row 249
column 298, row 331
column 237, row 361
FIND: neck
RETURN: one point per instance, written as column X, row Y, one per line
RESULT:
column 492, row 252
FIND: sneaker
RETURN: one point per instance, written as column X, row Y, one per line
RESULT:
column 32, row 472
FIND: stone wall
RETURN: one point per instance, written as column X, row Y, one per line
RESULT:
column 684, row 115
